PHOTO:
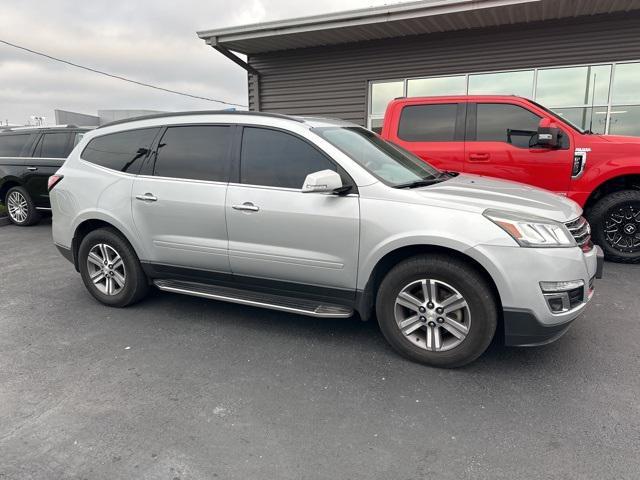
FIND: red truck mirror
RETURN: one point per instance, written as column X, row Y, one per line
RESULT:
column 548, row 133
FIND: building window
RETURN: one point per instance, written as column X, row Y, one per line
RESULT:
column 429, row 87
column 502, row 83
column 613, row 89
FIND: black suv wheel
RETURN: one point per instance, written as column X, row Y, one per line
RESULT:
column 21, row 208
column 615, row 222
column 437, row 310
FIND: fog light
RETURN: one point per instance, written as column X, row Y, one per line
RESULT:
column 563, row 296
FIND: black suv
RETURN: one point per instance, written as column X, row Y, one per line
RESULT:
column 28, row 157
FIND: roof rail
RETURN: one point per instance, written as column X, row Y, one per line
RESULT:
column 35, row 127
column 201, row 112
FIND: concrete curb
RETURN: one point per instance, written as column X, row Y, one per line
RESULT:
column 4, row 221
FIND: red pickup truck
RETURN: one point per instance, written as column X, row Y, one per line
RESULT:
column 517, row 139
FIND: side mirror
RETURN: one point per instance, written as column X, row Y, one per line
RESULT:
column 548, row 133
column 324, row 181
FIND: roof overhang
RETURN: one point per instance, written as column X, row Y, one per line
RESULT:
column 403, row 19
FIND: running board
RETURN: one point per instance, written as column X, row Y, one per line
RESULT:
column 255, row 299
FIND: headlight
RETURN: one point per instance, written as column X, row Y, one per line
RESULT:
column 532, row 231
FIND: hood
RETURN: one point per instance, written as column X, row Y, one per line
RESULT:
column 478, row 193
column 619, row 139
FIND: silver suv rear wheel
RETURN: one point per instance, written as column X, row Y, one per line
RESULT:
column 106, row 269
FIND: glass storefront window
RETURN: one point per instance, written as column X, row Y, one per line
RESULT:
column 626, row 84
column 383, row 93
column 559, row 87
column 625, row 120
column 582, row 117
column 502, row 83
column 568, row 91
column 423, row 87
column 376, row 125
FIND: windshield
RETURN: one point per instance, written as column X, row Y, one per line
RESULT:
column 393, row 165
column 563, row 120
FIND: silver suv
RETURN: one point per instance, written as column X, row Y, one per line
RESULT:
column 322, row 218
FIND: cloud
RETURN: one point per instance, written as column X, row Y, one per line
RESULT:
column 149, row 41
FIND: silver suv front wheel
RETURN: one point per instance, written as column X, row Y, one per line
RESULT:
column 437, row 309
column 432, row 315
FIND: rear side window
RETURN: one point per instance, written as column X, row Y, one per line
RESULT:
column 428, row 123
column 194, row 152
column 278, row 159
column 123, row 151
column 53, row 145
column 502, row 122
column 12, row 145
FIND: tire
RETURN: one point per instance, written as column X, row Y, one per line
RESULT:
column 450, row 277
column 614, row 227
column 20, row 207
column 117, row 284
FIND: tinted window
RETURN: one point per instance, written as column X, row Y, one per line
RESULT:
column 12, row 145
column 428, row 123
column 53, row 145
column 198, row 153
column 500, row 122
column 122, row 151
column 278, row 159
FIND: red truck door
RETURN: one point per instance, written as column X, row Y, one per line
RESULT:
column 497, row 145
column 433, row 131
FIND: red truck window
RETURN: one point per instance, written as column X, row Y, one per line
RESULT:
column 428, row 123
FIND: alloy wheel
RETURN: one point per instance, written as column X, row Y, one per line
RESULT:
column 106, row 269
column 622, row 227
column 18, row 207
column 432, row 315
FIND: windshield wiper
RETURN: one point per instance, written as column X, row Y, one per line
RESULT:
column 425, row 182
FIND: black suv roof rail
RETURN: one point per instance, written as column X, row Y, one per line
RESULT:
column 201, row 112
column 35, row 127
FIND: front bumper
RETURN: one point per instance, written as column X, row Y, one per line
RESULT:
column 528, row 319
column 522, row 329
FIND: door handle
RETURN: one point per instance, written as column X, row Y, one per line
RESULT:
column 147, row 197
column 246, row 206
column 32, row 169
column 479, row 157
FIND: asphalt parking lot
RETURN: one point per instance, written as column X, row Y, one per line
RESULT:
column 184, row 388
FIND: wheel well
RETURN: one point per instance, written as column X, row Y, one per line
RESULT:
column 4, row 189
column 83, row 230
column 391, row 259
column 625, row 182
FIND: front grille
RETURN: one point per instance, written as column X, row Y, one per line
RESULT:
column 581, row 231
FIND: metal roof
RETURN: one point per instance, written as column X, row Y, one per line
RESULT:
column 411, row 18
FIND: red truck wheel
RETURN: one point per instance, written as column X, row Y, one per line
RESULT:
column 615, row 222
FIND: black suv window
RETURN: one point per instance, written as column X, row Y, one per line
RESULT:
column 12, row 145
column 278, row 159
column 54, row 145
column 502, row 122
column 194, row 152
column 123, row 151
column 428, row 123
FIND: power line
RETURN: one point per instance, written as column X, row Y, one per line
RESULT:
column 118, row 77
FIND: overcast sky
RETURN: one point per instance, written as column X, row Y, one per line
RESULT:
column 153, row 41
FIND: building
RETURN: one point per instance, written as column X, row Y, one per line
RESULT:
column 64, row 117
column 566, row 54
